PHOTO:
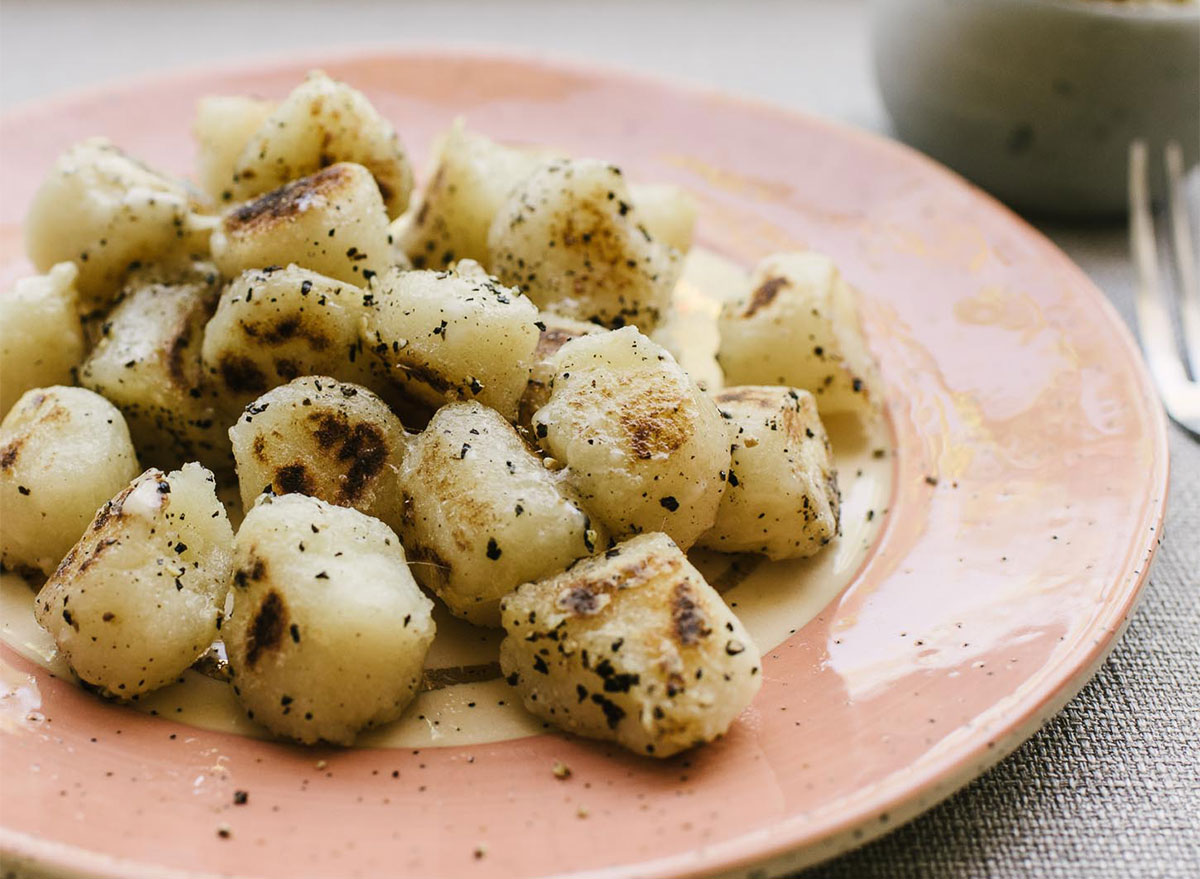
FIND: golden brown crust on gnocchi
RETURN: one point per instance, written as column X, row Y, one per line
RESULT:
column 328, row 439
column 332, row 222
column 147, row 362
column 633, row 646
column 140, row 596
column 328, row 631
column 320, row 123
column 570, row 237
column 642, row 444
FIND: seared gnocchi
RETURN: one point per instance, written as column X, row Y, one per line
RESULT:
column 781, row 498
column 799, row 327
column 645, row 448
column 469, row 393
column 328, row 632
column 456, row 335
column 482, row 514
column 632, row 646
column 471, row 177
column 327, row 439
column 63, row 452
column 147, row 362
column 222, row 128
column 571, row 238
column 141, row 594
column 41, row 338
column 276, row 324
column 105, row 211
column 332, row 222
column 320, row 123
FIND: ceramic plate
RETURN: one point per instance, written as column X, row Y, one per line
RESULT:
column 1025, row 471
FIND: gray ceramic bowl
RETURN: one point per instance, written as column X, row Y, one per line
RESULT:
column 1038, row 100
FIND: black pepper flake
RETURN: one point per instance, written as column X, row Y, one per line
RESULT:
column 733, row 647
column 540, row 429
column 295, row 632
column 539, row 665
column 932, row 480
column 493, row 549
column 23, row 490
column 240, row 797
column 181, row 547
column 669, row 503
column 513, row 679
column 322, row 576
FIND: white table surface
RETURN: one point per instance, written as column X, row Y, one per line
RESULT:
column 1107, row 789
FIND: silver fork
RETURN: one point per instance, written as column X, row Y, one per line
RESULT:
column 1180, row 393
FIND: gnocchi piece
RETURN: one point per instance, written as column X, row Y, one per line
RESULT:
column 471, row 178
column 799, row 327
column 41, row 338
column 322, row 122
column 141, row 595
column 445, row 336
column 63, row 452
column 556, row 331
column 106, row 211
column 482, row 515
column 632, row 646
column 323, row 438
column 222, row 128
column 570, row 237
column 645, row 448
column 328, row 631
column 147, row 362
column 667, row 212
column 276, row 324
column 332, row 222
column 782, row 496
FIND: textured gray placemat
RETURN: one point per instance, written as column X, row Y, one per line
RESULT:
column 1110, row 787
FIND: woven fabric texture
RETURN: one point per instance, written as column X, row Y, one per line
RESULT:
column 1111, row 786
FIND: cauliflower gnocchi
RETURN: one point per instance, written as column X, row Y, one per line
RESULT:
column 632, row 646
column 147, row 362
column 799, row 327
column 323, row 438
column 328, row 632
column 222, row 128
column 276, row 324
column 556, row 331
column 456, row 335
column 140, row 596
column 41, row 337
column 283, row 324
column 63, row 452
column 471, row 178
column 106, row 212
column 483, row 515
column 645, row 448
column 781, row 498
column 571, row 238
column 320, row 123
column 332, row 222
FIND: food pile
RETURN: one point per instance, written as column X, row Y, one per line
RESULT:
column 455, row 391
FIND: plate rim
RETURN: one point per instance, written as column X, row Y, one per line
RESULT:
column 792, row 842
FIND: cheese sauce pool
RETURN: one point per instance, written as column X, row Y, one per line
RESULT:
column 464, row 700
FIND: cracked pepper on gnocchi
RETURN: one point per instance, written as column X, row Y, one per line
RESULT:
column 270, row 418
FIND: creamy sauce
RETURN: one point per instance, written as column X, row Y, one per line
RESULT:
column 463, row 699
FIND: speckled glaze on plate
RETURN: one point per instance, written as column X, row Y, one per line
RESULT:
column 1030, row 477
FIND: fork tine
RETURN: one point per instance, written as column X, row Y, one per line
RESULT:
column 1185, row 256
column 1180, row 396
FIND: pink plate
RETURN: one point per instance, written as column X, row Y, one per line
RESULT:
column 1030, row 478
